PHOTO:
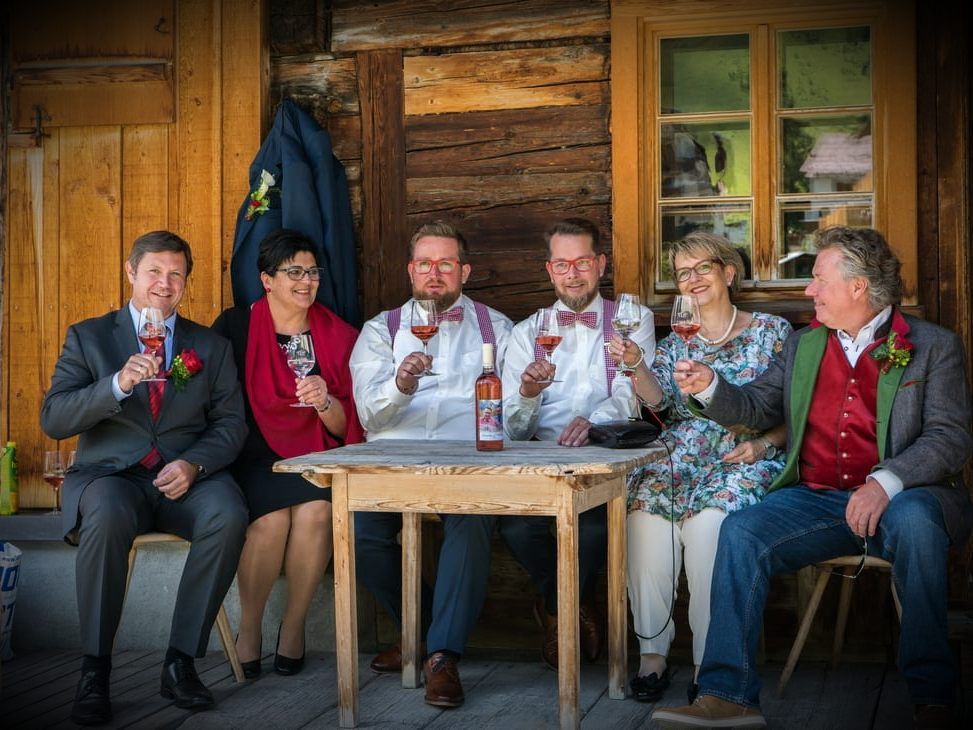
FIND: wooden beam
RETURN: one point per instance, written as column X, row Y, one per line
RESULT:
column 385, row 250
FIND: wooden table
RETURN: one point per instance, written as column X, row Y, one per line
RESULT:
column 526, row 478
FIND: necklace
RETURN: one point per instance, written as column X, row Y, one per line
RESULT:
column 726, row 333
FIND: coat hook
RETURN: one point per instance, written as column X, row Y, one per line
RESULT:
column 158, row 27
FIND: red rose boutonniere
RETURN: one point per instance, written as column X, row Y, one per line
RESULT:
column 896, row 351
column 184, row 366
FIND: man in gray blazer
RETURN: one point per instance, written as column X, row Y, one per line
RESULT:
column 151, row 456
column 878, row 416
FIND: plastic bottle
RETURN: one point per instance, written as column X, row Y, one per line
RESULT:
column 489, row 405
column 8, row 480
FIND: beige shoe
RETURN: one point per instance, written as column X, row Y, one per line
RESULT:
column 709, row 711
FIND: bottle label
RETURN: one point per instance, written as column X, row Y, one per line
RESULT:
column 489, row 418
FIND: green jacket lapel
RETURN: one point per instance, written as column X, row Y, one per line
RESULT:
column 807, row 361
column 888, row 386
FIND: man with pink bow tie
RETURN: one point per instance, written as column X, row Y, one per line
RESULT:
column 558, row 401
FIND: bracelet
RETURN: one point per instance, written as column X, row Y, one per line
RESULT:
column 327, row 405
column 631, row 368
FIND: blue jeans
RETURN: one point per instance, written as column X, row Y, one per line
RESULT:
column 797, row 526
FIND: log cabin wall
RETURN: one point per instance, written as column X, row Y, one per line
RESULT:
column 496, row 117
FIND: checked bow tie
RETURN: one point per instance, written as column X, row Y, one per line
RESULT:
column 451, row 315
column 588, row 319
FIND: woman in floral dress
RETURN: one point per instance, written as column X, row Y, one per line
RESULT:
column 676, row 506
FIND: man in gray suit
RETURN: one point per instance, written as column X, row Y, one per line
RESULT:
column 878, row 416
column 151, row 456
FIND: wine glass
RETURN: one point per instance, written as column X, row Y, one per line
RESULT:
column 685, row 317
column 54, row 475
column 548, row 335
column 627, row 319
column 424, row 324
column 300, row 359
column 152, row 335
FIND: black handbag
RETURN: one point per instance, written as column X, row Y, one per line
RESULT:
column 623, row 434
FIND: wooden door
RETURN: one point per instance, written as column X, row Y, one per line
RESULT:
column 130, row 118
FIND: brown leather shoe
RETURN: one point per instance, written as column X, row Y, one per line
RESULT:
column 590, row 629
column 443, row 688
column 388, row 661
column 549, row 623
column 709, row 711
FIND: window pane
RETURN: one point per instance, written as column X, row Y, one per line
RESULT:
column 704, row 74
column 799, row 220
column 710, row 158
column 732, row 221
column 828, row 67
column 826, row 154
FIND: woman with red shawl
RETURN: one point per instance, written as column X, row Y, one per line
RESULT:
column 290, row 519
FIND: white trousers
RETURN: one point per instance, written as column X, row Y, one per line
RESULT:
column 655, row 555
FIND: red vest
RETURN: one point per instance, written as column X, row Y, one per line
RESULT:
column 840, row 445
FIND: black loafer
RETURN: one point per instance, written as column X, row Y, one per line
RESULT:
column 181, row 683
column 651, row 688
column 92, row 705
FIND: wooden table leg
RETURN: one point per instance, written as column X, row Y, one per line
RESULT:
column 617, row 603
column 568, row 649
column 345, row 603
column 411, row 596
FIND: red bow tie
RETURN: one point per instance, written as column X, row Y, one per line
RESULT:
column 588, row 319
column 452, row 315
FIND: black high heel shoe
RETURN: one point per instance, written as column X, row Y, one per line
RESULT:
column 284, row 665
column 251, row 670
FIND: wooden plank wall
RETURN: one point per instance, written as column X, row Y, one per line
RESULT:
column 76, row 203
column 500, row 113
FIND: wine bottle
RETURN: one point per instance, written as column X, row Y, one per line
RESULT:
column 489, row 405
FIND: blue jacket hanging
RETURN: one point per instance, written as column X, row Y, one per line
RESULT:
column 310, row 194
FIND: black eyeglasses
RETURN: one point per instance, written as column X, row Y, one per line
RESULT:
column 296, row 273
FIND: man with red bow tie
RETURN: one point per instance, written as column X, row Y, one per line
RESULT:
column 558, row 400
column 878, row 430
column 398, row 398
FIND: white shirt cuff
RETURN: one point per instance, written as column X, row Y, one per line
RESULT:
column 117, row 391
column 888, row 481
column 396, row 396
column 705, row 396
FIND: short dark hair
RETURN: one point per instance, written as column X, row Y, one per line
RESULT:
column 159, row 242
column 283, row 245
column 573, row 227
column 440, row 229
column 866, row 253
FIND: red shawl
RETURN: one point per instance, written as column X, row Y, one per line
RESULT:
column 270, row 383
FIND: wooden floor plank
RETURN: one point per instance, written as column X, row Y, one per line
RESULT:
column 500, row 695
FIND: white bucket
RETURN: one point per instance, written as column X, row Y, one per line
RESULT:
column 9, row 570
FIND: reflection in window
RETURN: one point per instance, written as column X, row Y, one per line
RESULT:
column 734, row 222
column 704, row 159
column 800, row 219
column 825, row 68
column 704, row 74
column 826, row 154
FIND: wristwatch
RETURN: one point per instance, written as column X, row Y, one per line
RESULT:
column 771, row 450
column 200, row 469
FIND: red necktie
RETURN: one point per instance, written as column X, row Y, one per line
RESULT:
column 588, row 319
column 156, row 390
column 453, row 315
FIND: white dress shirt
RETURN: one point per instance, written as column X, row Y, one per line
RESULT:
column 583, row 390
column 442, row 406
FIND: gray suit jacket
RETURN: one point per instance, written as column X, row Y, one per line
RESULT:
column 203, row 424
column 923, row 411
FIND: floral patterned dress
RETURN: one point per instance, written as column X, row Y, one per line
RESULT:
column 700, row 478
